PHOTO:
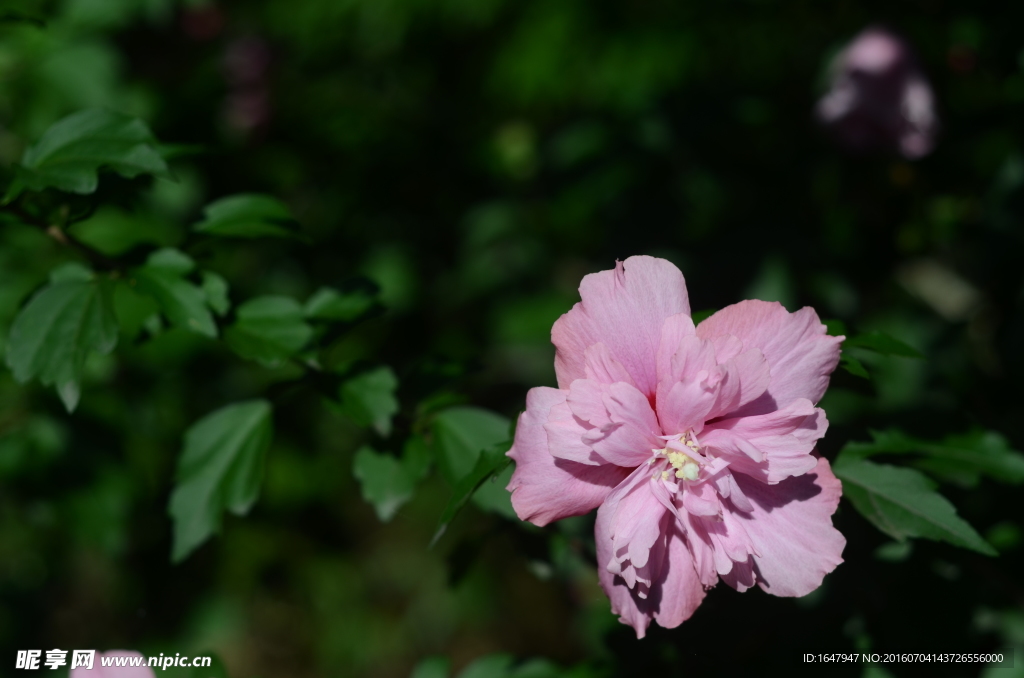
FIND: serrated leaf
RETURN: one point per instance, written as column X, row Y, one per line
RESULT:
column 59, row 327
column 248, row 216
column 182, row 301
column 269, row 330
column 71, row 152
column 976, row 452
column 902, row 503
column 220, row 468
column 490, row 461
column 386, row 481
column 884, row 344
column 369, row 399
column 329, row 304
column 216, row 290
column 460, row 433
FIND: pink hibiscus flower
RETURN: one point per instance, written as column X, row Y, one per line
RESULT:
column 879, row 97
column 696, row 443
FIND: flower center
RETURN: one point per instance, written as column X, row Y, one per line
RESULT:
column 686, row 467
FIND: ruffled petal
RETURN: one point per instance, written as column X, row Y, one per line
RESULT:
column 800, row 354
column 791, row 528
column 681, row 592
column 565, row 436
column 625, row 309
column 769, row 447
column 545, row 488
column 624, row 427
column 634, row 525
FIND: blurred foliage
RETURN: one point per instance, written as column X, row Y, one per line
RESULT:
column 300, row 261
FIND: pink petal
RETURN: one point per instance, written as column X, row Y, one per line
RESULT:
column 625, row 309
column 685, row 405
column 599, row 365
column 545, row 488
column 783, row 439
column 791, row 528
column 801, row 356
column 675, row 591
column 698, row 542
column 625, row 429
column 744, row 378
column 634, row 519
column 675, row 328
column 681, row 591
column 565, row 434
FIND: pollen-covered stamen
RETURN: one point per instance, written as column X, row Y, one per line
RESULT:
column 686, row 468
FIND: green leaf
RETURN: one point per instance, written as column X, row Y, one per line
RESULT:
column 492, row 496
column 330, row 304
column 460, row 433
column 490, row 462
column 182, row 301
column 388, row 482
column 853, row 366
column 221, row 467
column 882, row 343
column 835, row 328
column 58, row 328
column 216, row 290
column 902, row 503
column 248, row 216
column 978, row 452
column 369, row 398
column 432, row 667
column 71, row 152
column 491, row 666
column 269, row 330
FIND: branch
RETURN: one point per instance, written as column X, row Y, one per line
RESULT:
column 97, row 258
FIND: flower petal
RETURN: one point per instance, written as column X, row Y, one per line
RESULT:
column 801, row 356
column 744, row 378
column 680, row 592
column 599, row 365
column 675, row 591
column 783, row 440
column 545, row 488
column 625, row 309
column 791, row 528
column 565, row 434
column 625, row 428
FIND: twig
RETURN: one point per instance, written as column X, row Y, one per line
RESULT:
column 97, row 258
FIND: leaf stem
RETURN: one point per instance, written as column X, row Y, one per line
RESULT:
column 58, row 234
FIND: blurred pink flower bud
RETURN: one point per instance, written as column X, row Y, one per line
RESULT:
column 879, row 98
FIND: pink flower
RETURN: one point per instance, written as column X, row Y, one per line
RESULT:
column 100, row 671
column 879, row 98
column 696, row 443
